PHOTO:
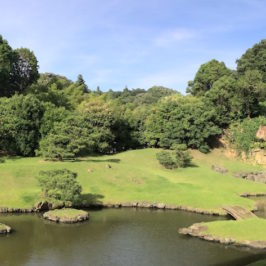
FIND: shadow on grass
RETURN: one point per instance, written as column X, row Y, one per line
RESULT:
column 98, row 161
column 191, row 165
column 90, row 200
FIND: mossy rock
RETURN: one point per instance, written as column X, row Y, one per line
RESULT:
column 66, row 215
column 4, row 229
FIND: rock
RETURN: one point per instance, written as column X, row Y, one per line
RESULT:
column 219, row 169
column 5, row 229
column 41, row 206
column 261, row 133
column 127, row 204
column 66, row 216
column 253, row 176
column 145, row 204
column 159, row 205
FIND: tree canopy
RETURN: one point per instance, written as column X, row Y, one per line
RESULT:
column 52, row 116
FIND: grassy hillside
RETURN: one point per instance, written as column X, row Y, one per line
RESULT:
column 135, row 176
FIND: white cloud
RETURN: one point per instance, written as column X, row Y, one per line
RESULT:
column 174, row 36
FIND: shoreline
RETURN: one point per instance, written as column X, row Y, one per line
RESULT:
column 198, row 229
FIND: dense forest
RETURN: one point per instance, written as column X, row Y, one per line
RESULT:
column 48, row 115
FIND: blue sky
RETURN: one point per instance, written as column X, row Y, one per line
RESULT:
column 134, row 43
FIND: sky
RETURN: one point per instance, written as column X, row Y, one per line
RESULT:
column 133, row 43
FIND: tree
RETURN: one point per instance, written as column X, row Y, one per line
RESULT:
column 251, row 90
column 81, row 83
column 67, row 139
column 207, row 74
column 60, row 185
column 254, row 59
column 20, row 122
column 25, row 69
column 181, row 120
column 7, row 58
column 222, row 97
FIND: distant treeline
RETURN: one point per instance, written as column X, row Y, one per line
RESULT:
column 52, row 116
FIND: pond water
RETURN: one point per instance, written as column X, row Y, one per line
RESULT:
column 115, row 237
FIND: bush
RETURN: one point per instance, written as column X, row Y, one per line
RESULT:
column 183, row 157
column 243, row 135
column 60, row 185
column 2, row 160
column 178, row 158
column 165, row 159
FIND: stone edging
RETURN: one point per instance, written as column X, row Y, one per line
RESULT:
column 161, row 206
column 197, row 230
column 246, row 195
column 135, row 204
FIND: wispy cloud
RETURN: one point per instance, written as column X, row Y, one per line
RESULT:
column 174, row 36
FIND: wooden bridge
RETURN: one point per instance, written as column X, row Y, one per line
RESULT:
column 239, row 213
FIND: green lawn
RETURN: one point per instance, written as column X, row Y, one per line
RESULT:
column 135, row 176
column 252, row 229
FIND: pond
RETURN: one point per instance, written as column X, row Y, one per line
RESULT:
column 115, row 237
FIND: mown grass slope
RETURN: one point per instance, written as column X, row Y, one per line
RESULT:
column 251, row 229
column 135, row 176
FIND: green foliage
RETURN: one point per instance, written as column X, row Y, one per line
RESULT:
column 67, row 139
column 166, row 159
column 251, row 90
column 254, row 59
column 179, row 158
column 58, row 90
column 207, row 74
column 60, row 185
column 20, row 121
column 18, row 69
column 243, row 135
column 25, row 69
column 186, row 120
column 222, row 97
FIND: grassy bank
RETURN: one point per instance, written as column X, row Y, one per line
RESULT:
column 252, row 229
column 135, row 176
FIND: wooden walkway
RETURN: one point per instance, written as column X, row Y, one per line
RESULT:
column 239, row 213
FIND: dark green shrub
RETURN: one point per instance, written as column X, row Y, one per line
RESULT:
column 60, row 185
column 178, row 158
column 183, row 158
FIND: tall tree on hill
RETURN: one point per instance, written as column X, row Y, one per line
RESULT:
column 6, row 63
column 207, row 74
column 254, row 59
column 251, row 90
column 25, row 69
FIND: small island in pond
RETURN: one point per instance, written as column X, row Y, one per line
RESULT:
column 66, row 215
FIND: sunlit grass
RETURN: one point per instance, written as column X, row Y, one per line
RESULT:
column 136, row 176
